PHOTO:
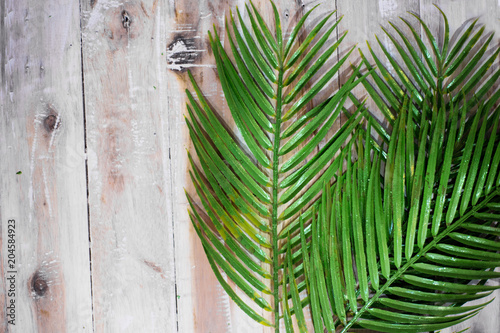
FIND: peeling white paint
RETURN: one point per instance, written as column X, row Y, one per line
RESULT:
column 53, row 134
column 47, row 193
column 180, row 67
column 97, row 14
column 202, row 17
column 91, row 33
column 32, row 169
column 182, row 30
column 180, row 55
column 387, row 7
column 223, row 304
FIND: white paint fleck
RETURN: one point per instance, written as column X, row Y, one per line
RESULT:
column 223, row 304
column 34, row 145
column 387, row 7
column 47, row 193
column 183, row 30
column 202, row 17
column 179, row 67
column 98, row 13
column 32, row 169
column 94, row 174
column 96, row 17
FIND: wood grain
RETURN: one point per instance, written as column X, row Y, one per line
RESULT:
column 133, row 275
column 43, row 183
column 202, row 304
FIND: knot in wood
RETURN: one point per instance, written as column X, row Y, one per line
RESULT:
column 50, row 122
column 39, row 285
column 126, row 20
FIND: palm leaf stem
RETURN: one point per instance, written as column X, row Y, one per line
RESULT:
column 274, row 221
column 415, row 258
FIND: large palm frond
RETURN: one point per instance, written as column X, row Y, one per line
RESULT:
column 252, row 192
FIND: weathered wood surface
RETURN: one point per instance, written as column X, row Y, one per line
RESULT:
column 129, row 166
column 92, row 113
column 42, row 139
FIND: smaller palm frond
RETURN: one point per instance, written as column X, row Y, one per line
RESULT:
column 401, row 244
column 403, row 235
column 456, row 70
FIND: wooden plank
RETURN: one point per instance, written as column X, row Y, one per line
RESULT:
column 129, row 166
column 43, row 185
column 202, row 304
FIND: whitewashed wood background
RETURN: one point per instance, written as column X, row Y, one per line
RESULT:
column 92, row 116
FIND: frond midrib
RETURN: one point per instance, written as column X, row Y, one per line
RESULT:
column 275, row 192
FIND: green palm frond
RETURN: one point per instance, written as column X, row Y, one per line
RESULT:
column 409, row 252
column 429, row 68
column 394, row 233
column 252, row 192
column 410, row 235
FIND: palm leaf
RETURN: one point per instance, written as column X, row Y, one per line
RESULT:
column 428, row 241
column 251, row 193
column 425, row 71
column 430, row 277
column 369, row 232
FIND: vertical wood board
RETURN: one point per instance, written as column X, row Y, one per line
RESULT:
column 43, row 182
column 133, row 276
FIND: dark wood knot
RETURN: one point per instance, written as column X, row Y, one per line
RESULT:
column 50, row 122
column 126, row 20
column 39, row 284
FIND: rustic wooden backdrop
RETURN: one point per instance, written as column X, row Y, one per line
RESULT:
column 93, row 156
